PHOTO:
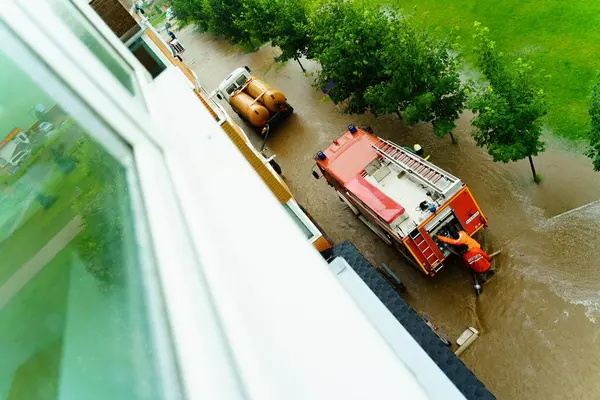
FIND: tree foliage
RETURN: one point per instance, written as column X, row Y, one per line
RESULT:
column 421, row 77
column 101, row 202
column 221, row 17
column 373, row 59
column 347, row 41
column 284, row 23
column 224, row 20
column 192, row 12
column 510, row 108
column 382, row 62
column 594, row 133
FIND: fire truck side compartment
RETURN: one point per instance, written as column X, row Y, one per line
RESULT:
column 468, row 212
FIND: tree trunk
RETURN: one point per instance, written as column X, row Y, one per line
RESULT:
column 453, row 138
column 535, row 176
column 398, row 114
column 300, row 64
column 251, row 42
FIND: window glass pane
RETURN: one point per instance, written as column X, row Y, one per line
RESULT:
column 298, row 222
column 73, row 322
column 147, row 57
column 90, row 37
column 241, row 80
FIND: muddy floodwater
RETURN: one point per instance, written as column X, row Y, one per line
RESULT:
column 539, row 317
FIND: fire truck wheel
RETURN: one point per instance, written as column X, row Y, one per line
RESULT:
column 402, row 250
column 376, row 229
column 389, row 237
column 400, row 287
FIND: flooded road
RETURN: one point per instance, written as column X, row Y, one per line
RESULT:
column 539, row 317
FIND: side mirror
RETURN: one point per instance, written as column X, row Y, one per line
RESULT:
column 219, row 97
column 315, row 175
column 247, row 68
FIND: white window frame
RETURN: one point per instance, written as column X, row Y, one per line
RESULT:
column 31, row 65
column 187, row 298
column 114, row 41
column 295, row 208
column 43, row 16
column 135, row 37
column 151, row 46
column 156, row 50
column 94, row 81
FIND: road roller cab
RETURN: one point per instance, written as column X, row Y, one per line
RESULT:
column 233, row 83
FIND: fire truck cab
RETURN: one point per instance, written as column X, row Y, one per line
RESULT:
column 406, row 200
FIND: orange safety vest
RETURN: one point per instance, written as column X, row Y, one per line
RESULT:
column 477, row 259
column 463, row 238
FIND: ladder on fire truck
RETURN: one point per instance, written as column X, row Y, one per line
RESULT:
column 424, row 248
column 425, row 172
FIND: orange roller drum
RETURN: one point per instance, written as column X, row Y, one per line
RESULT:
column 271, row 98
column 249, row 109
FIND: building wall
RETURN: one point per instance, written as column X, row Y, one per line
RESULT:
column 115, row 15
column 278, row 189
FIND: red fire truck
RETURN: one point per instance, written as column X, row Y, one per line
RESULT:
column 406, row 200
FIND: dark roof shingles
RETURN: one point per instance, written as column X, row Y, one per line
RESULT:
column 451, row 365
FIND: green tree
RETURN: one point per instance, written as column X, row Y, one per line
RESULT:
column 510, row 108
column 101, row 202
column 255, row 18
column 346, row 40
column 421, row 78
column 291, row 30
column 221, row 17
column 282, row 22
column 225, row 18
column 594, row 133
column 192, row 12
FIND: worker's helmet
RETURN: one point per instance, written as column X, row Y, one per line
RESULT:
column 454, row 234
column 417, row 147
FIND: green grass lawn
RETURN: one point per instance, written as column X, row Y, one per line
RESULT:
column 157, row 20
column 564, row 37
column 40, row 225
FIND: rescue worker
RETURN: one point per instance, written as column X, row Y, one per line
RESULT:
column 477, row 260
column 418, row 150
column 458, row 238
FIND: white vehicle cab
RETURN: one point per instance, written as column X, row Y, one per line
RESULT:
column 234, row 82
